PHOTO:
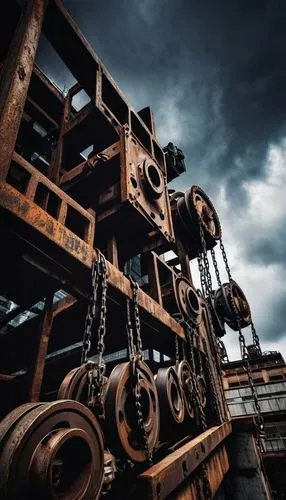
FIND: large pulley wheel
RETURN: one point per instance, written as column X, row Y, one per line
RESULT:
column 231, row 303
column 152, row 179
column 171, row 401
column 188, row 301
column 75, row 385
column 184, row 374
column 194, row 208
column 51, row 451
column 122, row 433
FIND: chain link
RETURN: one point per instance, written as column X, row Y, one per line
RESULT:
column 216, row 267
column 259, row 418
column 96, row 370
column 214, row 398
column 136, row 355
column 194, row 382
column 255, row 338
column 224, row 256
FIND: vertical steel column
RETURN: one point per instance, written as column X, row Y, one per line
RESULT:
column 16, row 75
column 36, row 370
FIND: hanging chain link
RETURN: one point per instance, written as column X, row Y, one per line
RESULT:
column 255, row 339
column 206, row 267
column 224, row 256
column 214, row 398
column 245, row 357
column 217, row 273
column 259, row 421
column 96, row 370
column 135, row 356
column 204, row 492
column 197, row 398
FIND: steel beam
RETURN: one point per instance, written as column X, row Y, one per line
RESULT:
column 163, row 478
column 36, row 370
column 34, row 216
column 16, row 75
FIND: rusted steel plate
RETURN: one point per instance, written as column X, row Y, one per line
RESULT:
column 216, row 468
column 17, row 73
column 173, row 469
column 32, row 214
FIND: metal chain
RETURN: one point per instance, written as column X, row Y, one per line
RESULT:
column 177, row 353
column 255, row 338
column 197, row 399
column 224, row 256
column 216, row 267
column 214, row 398
column 221, row 351
column 135, row 356
column 91, row 312
column 203, row 491
column 206, row 270
column 245, row 357
column 96, row 370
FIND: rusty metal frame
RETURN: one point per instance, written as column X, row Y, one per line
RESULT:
column 17, row 71
column 163, row 478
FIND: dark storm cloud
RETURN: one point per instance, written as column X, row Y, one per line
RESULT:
column 274, row 330
column 219, row 68
column 267, row 248
column 225, row 62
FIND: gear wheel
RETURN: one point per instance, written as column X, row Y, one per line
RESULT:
column 231, row 303
column 192, row 209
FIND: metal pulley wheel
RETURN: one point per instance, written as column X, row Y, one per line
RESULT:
column 75, row 385
column 152, row 178
column 231, row 303
column 121, row 426
column 171, row 401
column 184, row 373
column 188, row 301
column 194, row 208
column 51, row 451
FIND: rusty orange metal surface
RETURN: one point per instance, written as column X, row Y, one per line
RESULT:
column 173, row 469
column 18, row 70
column 216, row 468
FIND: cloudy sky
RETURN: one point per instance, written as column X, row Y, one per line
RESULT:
column 214, row 74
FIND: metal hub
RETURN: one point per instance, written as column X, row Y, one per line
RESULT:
column 172, row 407
column 51, row 451
column 188, row 301
column 184, row 373
column 231, row 303
column 153, row 179
column 194, row 209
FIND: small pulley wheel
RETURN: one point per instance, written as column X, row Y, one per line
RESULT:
column 188, row 301
column 171, row 401
column 184, row 373
column 75, row 385
column 153, row 179
column 193, row 209
column 53, row 451
column 122, row 433
column 231, row 304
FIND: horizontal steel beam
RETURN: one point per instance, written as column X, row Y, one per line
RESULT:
column 161, row 479
column 34, row 216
